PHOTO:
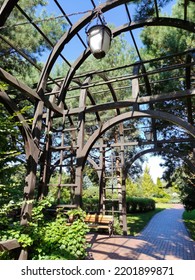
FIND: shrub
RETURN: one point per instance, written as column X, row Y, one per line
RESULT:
column 90, row 204
column 188, row 192
column 165, row 199
column 135, row 204
column 50, row 239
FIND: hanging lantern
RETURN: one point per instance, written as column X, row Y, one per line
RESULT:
column 99, row 40
column 148, row 135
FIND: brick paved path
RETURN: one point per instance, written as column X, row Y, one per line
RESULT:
column 164, row 238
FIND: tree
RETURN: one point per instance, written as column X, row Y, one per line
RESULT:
column 119, row 54
column 147, row 184
column 146, row 8
column 161, row 193
column 159, row 42
column 90, row 177
column 133, row 189
column 11, row 152
column 184, row 180
column 164, row 40
column 188, row 191
column 32, row 44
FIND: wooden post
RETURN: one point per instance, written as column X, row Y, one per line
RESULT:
column 123, row 179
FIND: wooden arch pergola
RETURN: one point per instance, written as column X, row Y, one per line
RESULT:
column 64, row 134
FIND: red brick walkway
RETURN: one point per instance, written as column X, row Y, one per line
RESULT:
column 164, row 238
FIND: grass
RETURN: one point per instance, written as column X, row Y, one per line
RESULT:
column 189, row 220
column 137, row 221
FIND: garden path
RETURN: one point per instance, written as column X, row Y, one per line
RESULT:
column 164, row 238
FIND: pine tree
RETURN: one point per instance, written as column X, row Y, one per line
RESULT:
column 147, row 184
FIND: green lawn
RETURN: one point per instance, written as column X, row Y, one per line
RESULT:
column 189, row 219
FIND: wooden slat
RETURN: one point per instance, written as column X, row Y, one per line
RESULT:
column 66, row 206
column 104, row 219
column 9, row 245
column 101, row 226
column 90, row 218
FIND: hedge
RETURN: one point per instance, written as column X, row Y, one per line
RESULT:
column 136, row 204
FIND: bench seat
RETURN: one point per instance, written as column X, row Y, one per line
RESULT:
column 100, row 221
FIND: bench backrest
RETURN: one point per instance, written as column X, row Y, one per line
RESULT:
column 101, row 219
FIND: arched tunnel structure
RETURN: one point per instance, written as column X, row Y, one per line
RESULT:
column 95, row 113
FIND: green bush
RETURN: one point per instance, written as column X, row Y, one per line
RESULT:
column 49, row 238
column 165, row 199
column 189, row 219
column 135, row 204
column 90, row 204
column 188, row 193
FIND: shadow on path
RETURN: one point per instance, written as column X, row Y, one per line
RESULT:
column 164, row 238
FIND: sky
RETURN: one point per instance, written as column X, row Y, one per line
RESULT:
column 79, row 6
column 153, row 162
column 74, row 6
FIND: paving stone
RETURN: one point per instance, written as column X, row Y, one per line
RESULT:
column 164, row 238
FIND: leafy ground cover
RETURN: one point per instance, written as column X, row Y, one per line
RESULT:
column 47, row 237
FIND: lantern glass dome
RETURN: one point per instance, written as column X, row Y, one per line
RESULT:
column 99, row 40
column 148, row 135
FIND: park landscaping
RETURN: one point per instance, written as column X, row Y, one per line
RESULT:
column 74, row 135
column 189, row 219
column 137, row 221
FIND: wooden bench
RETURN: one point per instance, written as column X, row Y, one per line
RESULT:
column 100, row 221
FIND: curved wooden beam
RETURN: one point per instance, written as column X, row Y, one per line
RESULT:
column 134, row 114
column 90, row 98
column 113, row 93
column 135, row 81
column 71, row 33
column 141, row 100
column 11, row 80
column 13, row 110
column 190, row 56
column 160, row 21
column 32, row 156
column 95, row 166
column 157, row 149
column 6, row 10
column 116, row 32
